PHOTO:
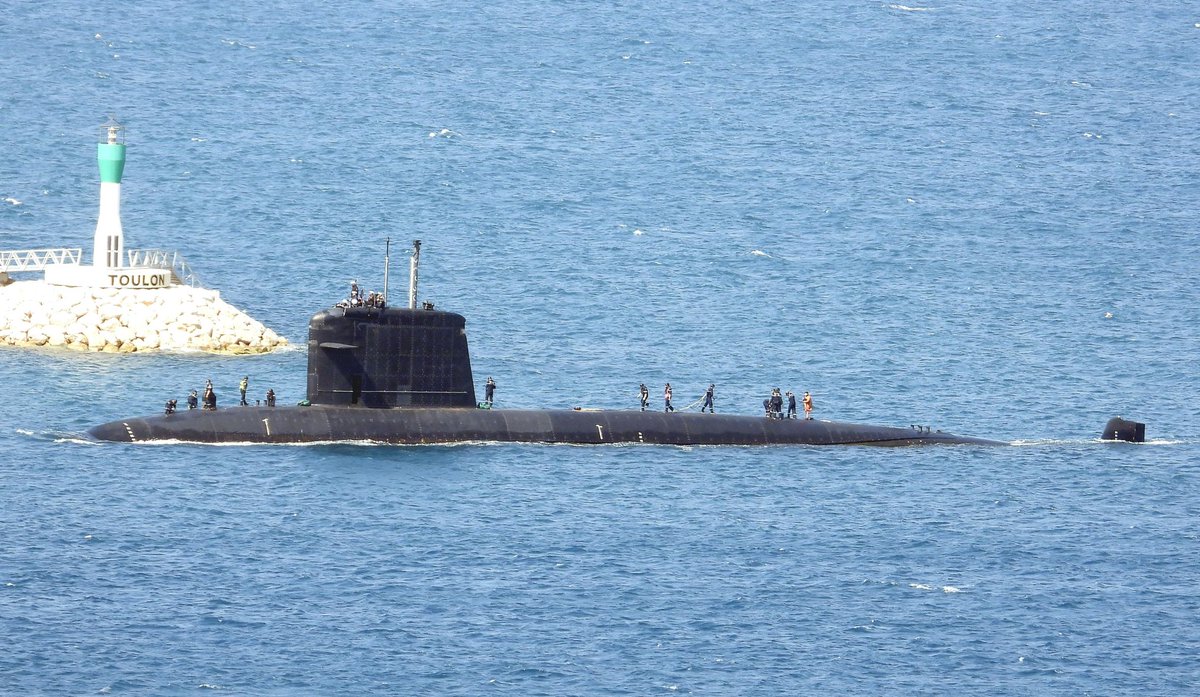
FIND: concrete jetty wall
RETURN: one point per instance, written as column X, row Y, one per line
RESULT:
column 177, row 318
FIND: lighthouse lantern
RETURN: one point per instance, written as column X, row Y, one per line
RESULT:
column 112, row 133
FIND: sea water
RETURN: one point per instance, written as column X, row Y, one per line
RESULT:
column 977, row 217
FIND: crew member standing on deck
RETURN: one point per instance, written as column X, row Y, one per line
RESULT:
column 791, row 404
column 667, row 398
column 193, row 400
column 243, row 385
column 644, row 394
column 489, row 390
column 270, row 398
column 776, row 404
column 807, row 406
column 708, row 400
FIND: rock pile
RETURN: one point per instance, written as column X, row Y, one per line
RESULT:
column 177, row 318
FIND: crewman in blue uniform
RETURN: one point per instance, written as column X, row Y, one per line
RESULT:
column 776, row 404
column 667, row 398
column 708, row 400
column 644, row 394
column 489, row 390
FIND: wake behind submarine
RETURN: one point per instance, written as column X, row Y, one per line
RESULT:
column 403, row 376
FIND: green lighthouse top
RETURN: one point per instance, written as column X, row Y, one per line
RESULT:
column 110, row 153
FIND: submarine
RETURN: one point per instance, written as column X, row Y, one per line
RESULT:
column 402, row 375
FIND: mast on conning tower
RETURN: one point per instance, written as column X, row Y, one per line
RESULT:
column 412, row 274
column 387, row 251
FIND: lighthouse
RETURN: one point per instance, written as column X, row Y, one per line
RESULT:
column 110, row 154
column 109, row 266
column 112, row 266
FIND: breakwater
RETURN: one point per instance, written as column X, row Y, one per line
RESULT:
column 111, row 320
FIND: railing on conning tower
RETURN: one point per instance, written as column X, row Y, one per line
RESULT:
column 37, row 259
column 174, row 262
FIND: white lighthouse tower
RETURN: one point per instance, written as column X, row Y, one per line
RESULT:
column 110, row 269
column 110, row 240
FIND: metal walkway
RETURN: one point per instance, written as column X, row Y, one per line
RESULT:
column 181, row 273
column 39, row 259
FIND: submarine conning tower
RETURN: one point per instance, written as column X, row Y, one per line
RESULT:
column 389, row 357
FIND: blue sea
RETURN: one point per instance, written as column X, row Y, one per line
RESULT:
column 975, row 216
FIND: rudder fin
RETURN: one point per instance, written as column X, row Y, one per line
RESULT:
column 1118, row 428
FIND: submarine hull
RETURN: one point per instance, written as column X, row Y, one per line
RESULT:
column 405, row 426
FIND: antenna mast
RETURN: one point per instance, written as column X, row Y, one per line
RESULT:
column 412, row 274
column 386, row 261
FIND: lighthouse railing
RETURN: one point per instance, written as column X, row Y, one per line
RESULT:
column 38, row 259
column 181, row 271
